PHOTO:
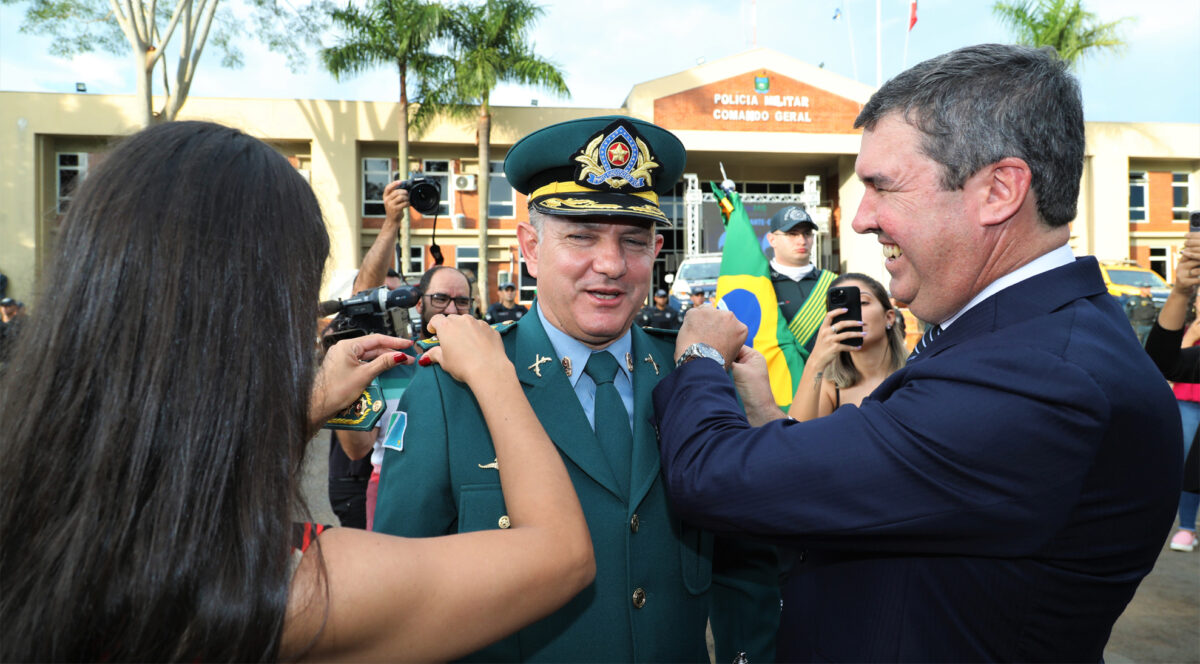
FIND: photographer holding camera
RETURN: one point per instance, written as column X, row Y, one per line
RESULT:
column 376, row 263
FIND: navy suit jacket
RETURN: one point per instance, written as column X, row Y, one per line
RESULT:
column 998, row 499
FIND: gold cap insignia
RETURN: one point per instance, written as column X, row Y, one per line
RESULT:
column 616, row 159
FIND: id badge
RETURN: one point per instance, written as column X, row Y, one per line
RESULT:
column 363, row 413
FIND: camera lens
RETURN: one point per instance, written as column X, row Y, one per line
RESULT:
column 425, row 197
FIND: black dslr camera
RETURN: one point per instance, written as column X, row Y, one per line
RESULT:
column 377, row 310
column 424, row 194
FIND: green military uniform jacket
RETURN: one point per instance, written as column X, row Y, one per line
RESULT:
column 650, row 599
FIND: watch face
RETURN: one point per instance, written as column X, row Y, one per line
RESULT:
column 701, row 350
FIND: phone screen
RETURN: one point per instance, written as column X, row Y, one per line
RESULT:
column 848, row 297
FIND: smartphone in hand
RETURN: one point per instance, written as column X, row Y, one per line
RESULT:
column 848, row 297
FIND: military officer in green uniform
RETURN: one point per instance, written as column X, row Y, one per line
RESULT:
column 800, row 285
column 593, row 187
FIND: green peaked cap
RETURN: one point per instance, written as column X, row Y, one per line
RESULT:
column 608, row 166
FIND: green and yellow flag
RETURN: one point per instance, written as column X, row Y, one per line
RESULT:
column 744, row 288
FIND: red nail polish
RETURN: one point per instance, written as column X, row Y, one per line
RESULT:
column 424, row 361
column 398, row 358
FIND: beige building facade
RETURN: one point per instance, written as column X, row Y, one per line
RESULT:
column 780, row 128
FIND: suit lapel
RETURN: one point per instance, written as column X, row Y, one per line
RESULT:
column 553, row 400
column 646, row 374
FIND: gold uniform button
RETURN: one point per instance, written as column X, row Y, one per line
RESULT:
column 634, row 523
column 505, row 522
column 639, row 598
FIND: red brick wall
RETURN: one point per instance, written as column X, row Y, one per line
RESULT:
column 824, row 113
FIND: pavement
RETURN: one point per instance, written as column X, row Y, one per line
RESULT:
column 1162, row 623
column 314, row 481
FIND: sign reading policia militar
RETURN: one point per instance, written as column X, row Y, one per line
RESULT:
column 759, row 100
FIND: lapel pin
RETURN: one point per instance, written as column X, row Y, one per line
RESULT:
column 493, row 465
column 536, row 367
column 650, row 359
column 629, row 362
column 566, row 364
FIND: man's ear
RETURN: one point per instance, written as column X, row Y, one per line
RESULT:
column 658, row 244
column 1003, row 188
column 527, row 239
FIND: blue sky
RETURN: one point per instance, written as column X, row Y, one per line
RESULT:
column 1156, row 80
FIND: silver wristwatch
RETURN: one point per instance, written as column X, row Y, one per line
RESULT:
column 699, row 350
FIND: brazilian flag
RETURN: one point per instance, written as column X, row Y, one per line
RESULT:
column 744, row 288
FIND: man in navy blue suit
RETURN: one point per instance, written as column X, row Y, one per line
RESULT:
column 1001, row 496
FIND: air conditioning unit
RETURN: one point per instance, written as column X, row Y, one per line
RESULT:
column 464, row 182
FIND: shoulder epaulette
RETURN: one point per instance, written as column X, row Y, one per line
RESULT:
column 660, row 332
column 502, row 328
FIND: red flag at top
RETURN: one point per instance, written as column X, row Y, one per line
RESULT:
column 912, row 15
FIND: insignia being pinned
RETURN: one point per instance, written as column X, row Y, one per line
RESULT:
column 650, row 359
column 629, row 362
column 494, row 465
column 538, row 361
column 566, row 364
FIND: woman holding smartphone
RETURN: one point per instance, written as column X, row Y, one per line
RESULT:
column 837, row 372
column 1174, row 345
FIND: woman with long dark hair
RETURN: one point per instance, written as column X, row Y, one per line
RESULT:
column 155, row 414
column 1174, row 345
column 837, row 373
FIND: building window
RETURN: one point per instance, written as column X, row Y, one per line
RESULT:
column 416, row 260
column 1137, row 196
column 467, row 258
column 526, row 285
column 72, row 168
column 377, row 173
column 439, row 171
column 500, row 192
column 1158, row 261
column 1181, row 184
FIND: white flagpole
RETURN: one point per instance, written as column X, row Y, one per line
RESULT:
column 850, row 31
column 878, row 43
column 907, row 32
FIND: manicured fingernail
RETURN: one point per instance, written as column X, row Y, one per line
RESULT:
column 398, row 358
column 424, row 361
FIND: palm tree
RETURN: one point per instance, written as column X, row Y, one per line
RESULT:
column 1064, row 24
column 490, row 47
column 400, row 33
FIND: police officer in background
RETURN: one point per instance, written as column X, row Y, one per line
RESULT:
column 661, row 314
column 800, row 285
column 507, row 308
column 696, row 299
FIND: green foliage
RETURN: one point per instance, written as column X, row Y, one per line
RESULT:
column 85, row 26
column 75, row 26
column 491, row 47
column 1064, row 24
column 403, row 34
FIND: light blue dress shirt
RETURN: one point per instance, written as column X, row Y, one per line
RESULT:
column 566, row 346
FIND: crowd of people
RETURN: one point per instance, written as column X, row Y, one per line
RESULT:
column 589, row 478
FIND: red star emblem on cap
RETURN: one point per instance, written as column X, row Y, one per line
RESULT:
column 618, row 154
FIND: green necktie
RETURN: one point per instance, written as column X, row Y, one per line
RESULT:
column 610, row 417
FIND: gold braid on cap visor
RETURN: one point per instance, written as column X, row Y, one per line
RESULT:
column 572, row 188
